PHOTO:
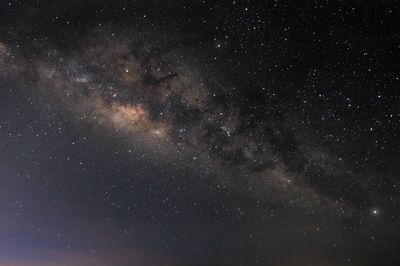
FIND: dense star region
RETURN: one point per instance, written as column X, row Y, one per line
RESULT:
column 199, row 133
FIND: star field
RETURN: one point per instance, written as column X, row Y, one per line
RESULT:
column 199, row 133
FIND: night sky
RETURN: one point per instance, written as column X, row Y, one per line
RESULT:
column 148, row 133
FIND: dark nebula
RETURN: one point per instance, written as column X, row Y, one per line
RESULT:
column 199, row 133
